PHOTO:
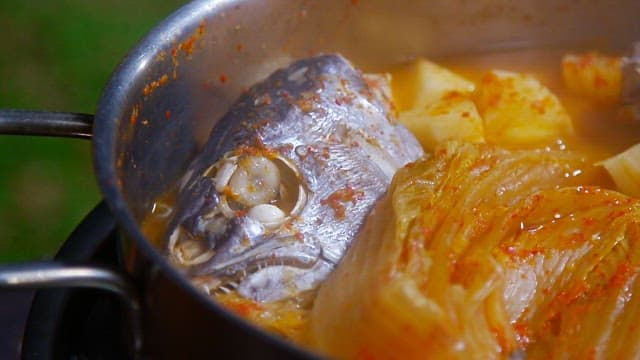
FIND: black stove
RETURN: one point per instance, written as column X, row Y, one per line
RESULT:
column 83, row 323
column 69, row 323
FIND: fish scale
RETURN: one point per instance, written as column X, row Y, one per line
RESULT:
column 319, row 121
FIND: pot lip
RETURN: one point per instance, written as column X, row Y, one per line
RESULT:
column 113, row 99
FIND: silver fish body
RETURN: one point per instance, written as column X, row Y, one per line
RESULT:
column 286, row 180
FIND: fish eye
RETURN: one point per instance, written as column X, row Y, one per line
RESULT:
column 264, row 186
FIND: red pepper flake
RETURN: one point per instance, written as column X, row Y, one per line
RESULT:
column 167, row 114
column 577, row 291
column 599, row 81
column 187, row 46
column 575, row 239
column 588, row 60
column 288, row 147
column 326, row 153
column 344, row 100
column 163, row 80
column 523, row 334
column 338, row 198
column 519, row 254
column 615, row 214
column 305, row 105
column 494, row 100
column 244, row 308
column 553, row 323
column 373, row 82
column 174, row 60
column 284, row 94
column 489, row 78
column 452, row 188
column 151, row 87
column 201, row 28
column 480, row 226
column 135, row 112
column 223, row 78
column 258, row 149
column 239, row 47
column 541, row 106
column 509, row 249
column 622, row 275
column 453, row 95
column 354, row 2
column 466, row 114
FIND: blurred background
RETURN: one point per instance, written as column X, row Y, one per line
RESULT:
column 57, row 55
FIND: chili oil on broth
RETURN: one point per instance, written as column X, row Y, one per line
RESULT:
column 599, row 134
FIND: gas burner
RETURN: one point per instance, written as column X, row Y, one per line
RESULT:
column 79, row 323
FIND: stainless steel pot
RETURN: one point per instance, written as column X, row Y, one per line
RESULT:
column 162, row 101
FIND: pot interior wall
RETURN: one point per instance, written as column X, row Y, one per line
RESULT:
column 180, row 80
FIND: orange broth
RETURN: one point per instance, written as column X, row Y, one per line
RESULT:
column 600, row 132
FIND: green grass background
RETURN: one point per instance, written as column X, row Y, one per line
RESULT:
column 57, row 55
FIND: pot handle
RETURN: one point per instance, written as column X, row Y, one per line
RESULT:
column 49, row 274
column 46, row 123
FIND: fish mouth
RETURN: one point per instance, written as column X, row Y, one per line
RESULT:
column 236, row 263
column 272, row 253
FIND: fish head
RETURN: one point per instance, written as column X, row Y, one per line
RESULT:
column 240, row 219
column 286, row 180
